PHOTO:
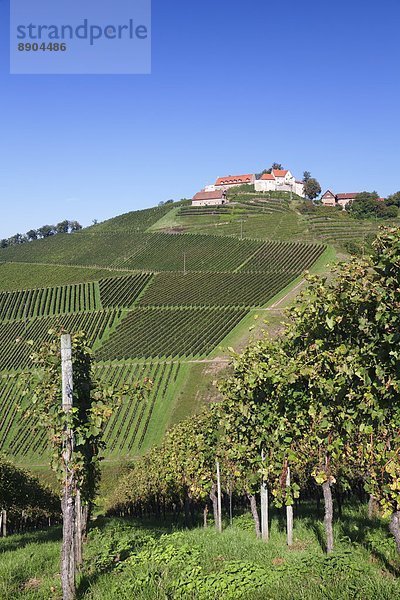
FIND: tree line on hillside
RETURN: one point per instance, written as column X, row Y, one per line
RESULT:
column 369, row 204
column 314, row 414
column 42, row 232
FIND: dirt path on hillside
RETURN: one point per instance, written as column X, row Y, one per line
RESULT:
column 289, row 296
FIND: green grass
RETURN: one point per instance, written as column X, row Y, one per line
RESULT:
column 168, row 221
column 170, row 403
column 197, row 388
column 154, row 561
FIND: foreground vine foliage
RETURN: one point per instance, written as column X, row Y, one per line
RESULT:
column 75, row 435
column 323, row 400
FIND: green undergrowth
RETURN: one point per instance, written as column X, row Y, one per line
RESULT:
column 155, row 561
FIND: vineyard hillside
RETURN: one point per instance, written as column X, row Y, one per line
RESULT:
column 276, row 216
column 157, row 303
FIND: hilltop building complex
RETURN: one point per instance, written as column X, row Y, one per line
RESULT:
column 279, row 180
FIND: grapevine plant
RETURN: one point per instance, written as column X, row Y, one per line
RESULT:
column 93, row 406
column 324, row 400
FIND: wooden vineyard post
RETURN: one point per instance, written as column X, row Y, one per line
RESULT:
column 264, row 508
column 3, row 523
column 264, row 512
column 78, row 529
column 327, row 491
column 289, row 513
column 219, row 524
column 230, row 503
column 68, row 565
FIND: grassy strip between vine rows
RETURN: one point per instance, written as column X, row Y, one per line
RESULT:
column 148, row 561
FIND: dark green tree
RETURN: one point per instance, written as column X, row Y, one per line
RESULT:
column 46, row 231
column 367, row 205
column 393, row 199
column 275, row 166
column 312, row 188
column 74, row 226
column 32, row 234
column 16, row 239
column 62, row 227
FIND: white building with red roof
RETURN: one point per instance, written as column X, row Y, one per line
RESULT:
column 213, row 198
column 230, row 181
column 279, row 180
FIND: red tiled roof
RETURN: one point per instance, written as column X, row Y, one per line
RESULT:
column 328, row 192
column 349, row 196
column 217, row 195
column 234, row 179
column 279, row 172
column 267, row 176
column 381, row 199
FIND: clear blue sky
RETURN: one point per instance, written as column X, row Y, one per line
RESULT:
column 234, row 86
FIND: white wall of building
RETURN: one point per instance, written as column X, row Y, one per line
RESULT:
column 343, row 203
column 280, row 184
column 265, row 185
column 299, row 189
column 213, row 202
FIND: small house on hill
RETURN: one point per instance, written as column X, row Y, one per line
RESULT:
column 213, row 198
column 331, row 199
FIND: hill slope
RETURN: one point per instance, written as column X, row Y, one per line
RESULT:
column 154, row 304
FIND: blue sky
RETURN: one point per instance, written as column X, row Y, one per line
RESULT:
column 234, row 86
